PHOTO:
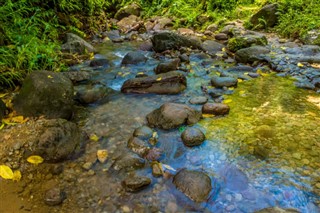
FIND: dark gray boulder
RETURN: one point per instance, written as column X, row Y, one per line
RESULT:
column 167, row 83
column 220, row 82
column 45, row 93
column 215, row 109
column 269, row 16
column 75, row 44
column 134, row 57
column 172, row 115
column 192, row 137
column 251, row 54
column 169, row 40
column 194, row 184
column 59, row 141
column 167, row 66
column 136, row 183
column 212, row 47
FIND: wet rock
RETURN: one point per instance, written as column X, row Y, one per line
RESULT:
column 240, row 42
column 75, row 44
column 169, row 40
column 231, row 30
column 212, row 27
column 220, row 82
column 215, row 109
column 54, row 196
column 195, row 185
column 146, row 46
column 154, row 154
column 312, row 37
column 269, row 16
column 3, row 109
column 157, row 170
column 99, row 62
column 221, row 36
column 88, row 94
column 240, row 69
column 138, row 146
column 212, row 47
column 60, row 140
column 77, row 76
column 129, row 161
column 277, row 210
column 305, row 50
column 198, row 100
column 134, row 57
column 305, row 85
column 172, row 115
column 136, row 183
column 45, row 93
column 251, row 54
column 131, row 9
column 167, row 66
column 216, row 92
column 167, row 83
column 192, row 137
column 143, row 132
column 113, row 35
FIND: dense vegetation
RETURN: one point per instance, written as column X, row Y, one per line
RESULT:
column 31, row 30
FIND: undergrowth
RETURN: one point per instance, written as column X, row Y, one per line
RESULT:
column 31, row 30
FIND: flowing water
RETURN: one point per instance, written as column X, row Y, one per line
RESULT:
column 266, row 152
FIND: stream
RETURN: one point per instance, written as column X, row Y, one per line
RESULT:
column 264, row 153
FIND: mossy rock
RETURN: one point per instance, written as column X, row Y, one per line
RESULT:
column 241, row 42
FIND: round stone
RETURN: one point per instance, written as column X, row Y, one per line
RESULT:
column 198, row 100
column 192, row 137
column 54, row 196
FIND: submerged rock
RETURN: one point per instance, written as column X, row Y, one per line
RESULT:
column 129, row 161
column 136, row 183
column 169, row 40
column 220, row 82
column 172, row 115
column 54, row 196
column 195, row 185
column 215, row 109
column 212, row 47
column 134, row 57
column 192, row 137
column 45, row 93
column 167, row 83
column 138, row 146
column 277, row 210
column 198, row 100
column 143, row 133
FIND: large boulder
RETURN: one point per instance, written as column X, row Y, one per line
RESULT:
column 45, row 93
column 131, row 9
column 75, row 44
column 251, row 54
column 167, row 83
column 194, row 184
column 133, row 57
column 55, row 140
column 240, row 42
column 169, row 40
column 172, row 115
column 269, row 16
column 212, row 47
